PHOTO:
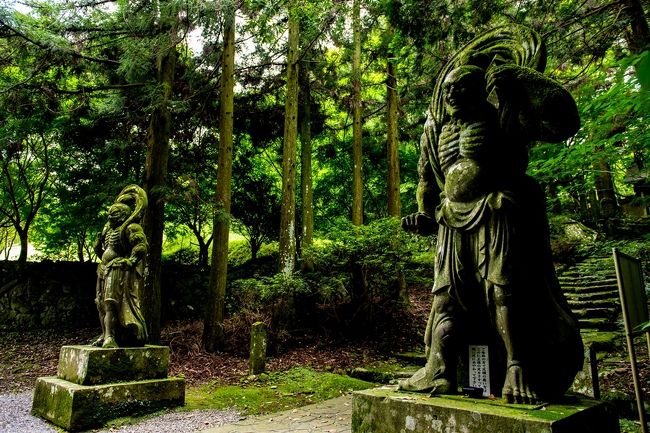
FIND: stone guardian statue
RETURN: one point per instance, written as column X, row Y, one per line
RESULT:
column 494, row 278
column 122, row 247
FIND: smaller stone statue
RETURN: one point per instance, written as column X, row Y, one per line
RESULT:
column 122, row 247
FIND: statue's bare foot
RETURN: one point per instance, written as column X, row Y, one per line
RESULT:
column 516, row 388
column 98, row 342
column 442, row 386
column 109, row 343
column 424, row 381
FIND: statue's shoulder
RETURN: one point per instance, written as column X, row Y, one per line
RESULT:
column 134, row 228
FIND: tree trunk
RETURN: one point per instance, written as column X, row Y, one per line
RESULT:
column 213, row 332
column 81, row 241
column 203, row 253
column 357, row 157
column 305, row 174
column 24, row 245
column 606, row 194
column 638, row 41
column 394, row 203
column 288, row 212
column 154, row 184
column 638, row 34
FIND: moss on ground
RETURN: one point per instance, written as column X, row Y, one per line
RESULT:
column 628, row 426
column 273, row 392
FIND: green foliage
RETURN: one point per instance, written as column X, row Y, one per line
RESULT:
column 255, row 197
column 614, row 134
column 238, row 252
column 380, row 249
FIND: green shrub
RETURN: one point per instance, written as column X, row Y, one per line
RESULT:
column 379, row 252
column 183, row 256
column 238, row 252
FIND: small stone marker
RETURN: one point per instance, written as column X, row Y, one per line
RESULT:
column 258, row 348
column 479, row 368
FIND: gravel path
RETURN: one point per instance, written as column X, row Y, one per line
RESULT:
column 15, row 417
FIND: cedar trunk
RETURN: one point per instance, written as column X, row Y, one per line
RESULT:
column 288, row 212
column 394, row 203
column 213, row 332
column 155, row 183
column 305, row 173
column 357, row 156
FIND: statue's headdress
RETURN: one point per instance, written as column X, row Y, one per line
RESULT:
column 136, row 198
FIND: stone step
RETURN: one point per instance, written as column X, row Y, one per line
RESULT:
column 78, row 407
column 414, row 358
column 599, row 324
column 586, row 276
column 598, row 312
column 590, row 289
column 588, row 281
column 593, row 296
column 88, row 365
column 593, row 303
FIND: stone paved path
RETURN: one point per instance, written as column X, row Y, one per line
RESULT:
column 331, row 416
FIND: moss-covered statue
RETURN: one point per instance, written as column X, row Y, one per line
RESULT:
column 122, row 247
column 494, row 281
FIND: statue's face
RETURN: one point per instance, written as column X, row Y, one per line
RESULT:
column 117, row 215
column 459, row 89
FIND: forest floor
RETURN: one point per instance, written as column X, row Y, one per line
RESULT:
column 25, row 356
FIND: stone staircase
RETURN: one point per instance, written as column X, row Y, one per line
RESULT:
column 591, row 290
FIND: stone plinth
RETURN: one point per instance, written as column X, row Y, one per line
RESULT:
column 384, row 410
column 94, row 385
column 76, row 407
column 86, row 365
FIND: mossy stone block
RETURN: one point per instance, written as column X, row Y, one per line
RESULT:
column 385, row 410
column 257, row 359
column 88, row 365
column 76, row 407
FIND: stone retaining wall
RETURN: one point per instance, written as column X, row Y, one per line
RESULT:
column 61, row 294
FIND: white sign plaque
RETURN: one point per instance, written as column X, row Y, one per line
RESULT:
column 479, row 368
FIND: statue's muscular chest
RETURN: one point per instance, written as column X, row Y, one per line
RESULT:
column 449, row 145
column 113, row 245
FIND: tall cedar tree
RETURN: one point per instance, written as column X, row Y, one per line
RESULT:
column 392, row 145
column 213, row 333
column 156, row 178
column 288, row 213
column 357, row 156
column 306, row 181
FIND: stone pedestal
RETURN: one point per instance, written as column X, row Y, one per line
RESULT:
column 384, row 410
column 94, row 385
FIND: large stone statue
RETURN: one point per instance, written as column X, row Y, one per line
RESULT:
column 494, row 282
column 122, row 247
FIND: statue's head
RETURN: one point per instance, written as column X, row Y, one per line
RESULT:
column 464, row 89
column 118, row 213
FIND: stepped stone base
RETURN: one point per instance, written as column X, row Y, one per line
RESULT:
column 94, row 385
column 384, row 410
column 76, row 407
column 87, row 365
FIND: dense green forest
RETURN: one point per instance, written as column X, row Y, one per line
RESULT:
column 290, row 121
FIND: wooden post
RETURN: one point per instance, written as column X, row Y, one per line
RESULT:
column 629, row 335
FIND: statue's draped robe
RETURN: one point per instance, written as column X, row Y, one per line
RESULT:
column 124, row 285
